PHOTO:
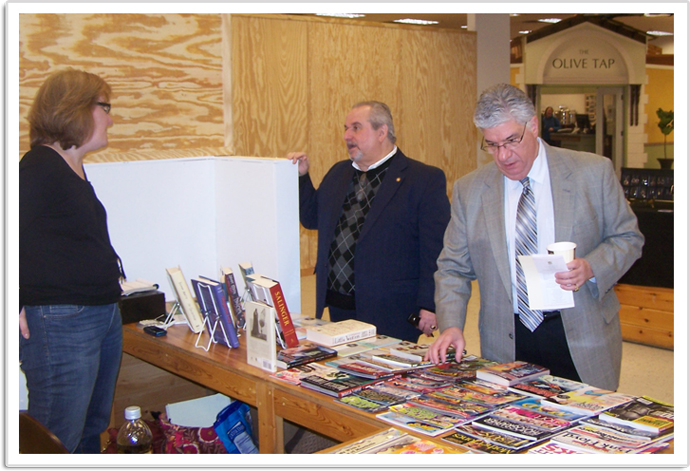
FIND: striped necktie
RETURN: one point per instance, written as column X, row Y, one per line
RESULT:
column 526, row 244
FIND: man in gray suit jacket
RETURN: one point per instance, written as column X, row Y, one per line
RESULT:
column 578, row 198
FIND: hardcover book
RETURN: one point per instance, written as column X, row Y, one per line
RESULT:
column 261, row 335
column 588, row 400
column 643, row 413
column 234, row 297
column 184, row 298
column 508, row 374
column 338, row 333
column 303, row 354
column 211, row 299
column 270, row 292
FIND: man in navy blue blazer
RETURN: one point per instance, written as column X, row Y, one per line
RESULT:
column 380, row 218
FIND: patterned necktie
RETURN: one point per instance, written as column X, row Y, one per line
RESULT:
column 526, row 244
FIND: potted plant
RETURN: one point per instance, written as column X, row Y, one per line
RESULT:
column 666, row 126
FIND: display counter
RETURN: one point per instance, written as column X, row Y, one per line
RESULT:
column 575, row 140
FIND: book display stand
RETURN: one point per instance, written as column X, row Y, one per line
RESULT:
column 207, row 312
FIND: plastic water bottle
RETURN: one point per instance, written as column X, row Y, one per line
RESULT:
column 134, row 435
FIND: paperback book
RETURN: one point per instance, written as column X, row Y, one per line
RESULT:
column 596, row 440
column 370, row 442
column 476, row 444
column 410, row 423
column 588, row 400
column 410, row 445
column 338, row 333
column 360, row 403
column 294, row 375
column 303, row 354
column 555, row 448
column 627, row 431
column 425, row 415
column 643, row 413
column 501, row 439
column 517, row 429
column 400, row 362
column 546, row 386
column 382, row 397
column 335, row 383
column 389, row 388
column 464, row 410
column 379, row 341
column 532, row 418
column 508, row 374
column 535, row 405
column 415, row 351
column 366, row 371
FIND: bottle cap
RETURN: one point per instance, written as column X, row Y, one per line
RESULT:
column 132, row 412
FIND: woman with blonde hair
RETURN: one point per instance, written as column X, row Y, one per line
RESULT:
column 70, row 342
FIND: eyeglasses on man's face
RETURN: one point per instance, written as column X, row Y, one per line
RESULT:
column 105, row 106
column 510, row 144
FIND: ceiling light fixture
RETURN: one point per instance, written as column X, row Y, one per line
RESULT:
column 659, row 33
column 341, row 15
column 549, row 20
column 411, row 21
column 527, row 31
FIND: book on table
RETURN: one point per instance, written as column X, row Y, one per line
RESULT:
column 184, row 298
column 596, row 440
column 501, row 439
column 367, row 443
column 246, row 269
column 270, row 292
column 261, row 335
column 508, row 374
column 643, row 413
column 415, row 351
column 587, row 400
column 303, row 354
column 295, row 374
column 366, row 371
column 546, row 386
column 477, row 445
column 337, row 333
column 234, row 297
column 335, row 382
column 211, row 300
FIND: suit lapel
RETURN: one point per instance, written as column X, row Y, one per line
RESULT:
column 493, row 202
column 562, row 191
column 395, row 175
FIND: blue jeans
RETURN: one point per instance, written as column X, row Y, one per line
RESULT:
column 71, row 362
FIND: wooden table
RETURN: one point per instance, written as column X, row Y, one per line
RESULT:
column 226, row 371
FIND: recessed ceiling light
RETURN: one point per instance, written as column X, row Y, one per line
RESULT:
column 341, row 15
column 659, row 33
column 411, row 21
column 527, row 31
column 549, row 20
column 652, row 15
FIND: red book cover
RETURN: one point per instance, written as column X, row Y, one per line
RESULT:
column 284, row 318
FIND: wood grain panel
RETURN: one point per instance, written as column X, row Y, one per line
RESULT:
column 269, row 76
column 165, row 72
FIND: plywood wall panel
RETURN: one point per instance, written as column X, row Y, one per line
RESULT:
column 165, row 72
column 270, row 87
